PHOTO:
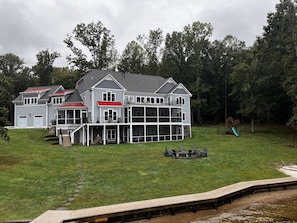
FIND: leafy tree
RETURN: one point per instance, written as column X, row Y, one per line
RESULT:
column 247, row 80
column 99, row 42
column 276, row 52
column 174, row 59
column 287, row 10
column 152, row 44
column 24, row 79
column 65, row 76
column 6, row 89
column 44, row 67
column 132, row 59
column 213, row 78
column 10, row 65
column 217, row 60
column 196, row 38
column 198, row 88
column 12, row 81
column 182, row 59
column 233, row 52
column 183, row 52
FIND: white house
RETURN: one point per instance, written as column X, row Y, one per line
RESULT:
column 109, row 107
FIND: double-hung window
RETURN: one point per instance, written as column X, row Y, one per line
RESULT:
column 108, row 96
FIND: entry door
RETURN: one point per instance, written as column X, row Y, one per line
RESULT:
column 84, row 117
column 38, row 121
column 111, row 135
column 22, row 121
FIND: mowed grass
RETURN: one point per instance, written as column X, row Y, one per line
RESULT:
column 36, row 176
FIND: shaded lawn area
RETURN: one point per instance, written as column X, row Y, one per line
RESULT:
column 36, row 176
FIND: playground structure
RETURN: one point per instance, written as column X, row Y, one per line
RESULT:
column 231, row 125
column 186, row 154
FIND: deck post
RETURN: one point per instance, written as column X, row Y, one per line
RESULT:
column 118, row 134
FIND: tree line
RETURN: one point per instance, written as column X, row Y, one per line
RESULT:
column 226, row 77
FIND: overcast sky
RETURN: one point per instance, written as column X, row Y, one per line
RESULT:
column 29, row 26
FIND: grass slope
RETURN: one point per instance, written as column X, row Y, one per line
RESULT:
column 36, row 176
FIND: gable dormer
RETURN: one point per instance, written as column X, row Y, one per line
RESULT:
column 109, row 82
column 60, row 96
column 181, row 89
column 33, row 94
column 167, row 86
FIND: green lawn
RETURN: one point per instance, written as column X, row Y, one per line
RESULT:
column 36, row 176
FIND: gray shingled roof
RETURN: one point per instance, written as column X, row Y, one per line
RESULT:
column 131, row 82
column 45, row 96
column 52, row 90
column 74, row 97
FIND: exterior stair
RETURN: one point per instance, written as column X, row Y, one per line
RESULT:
column 52, row 130
column 66, row 141
column 52, row 139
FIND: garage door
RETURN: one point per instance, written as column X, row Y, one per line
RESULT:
column 38, row 121
column 22, row 121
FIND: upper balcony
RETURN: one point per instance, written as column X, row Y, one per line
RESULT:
column 154, row 114
column 153, row 101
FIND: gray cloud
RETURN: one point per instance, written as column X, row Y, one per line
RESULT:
column 27, row 27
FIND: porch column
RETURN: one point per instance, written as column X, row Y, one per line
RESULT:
column 144, row 126
column 88, row 135
column 104, row 135
column 144, row 132
column 84, row 135
column 131, row 134
column 171, row 124
column 128, row 135
column 183, row 132
column 91, row 135
column 118, row 134
column 170, row 132
column 72, row 138
column 158, row 132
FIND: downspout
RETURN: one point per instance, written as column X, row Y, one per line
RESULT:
column 104, row 134
column 118, row 133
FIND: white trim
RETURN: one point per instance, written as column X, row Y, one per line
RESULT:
column 104, row 135
column 181, row 86
column 60, row 86
column 107, row 77
column 169, row 80
column 31, row 105
column 118, row 134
